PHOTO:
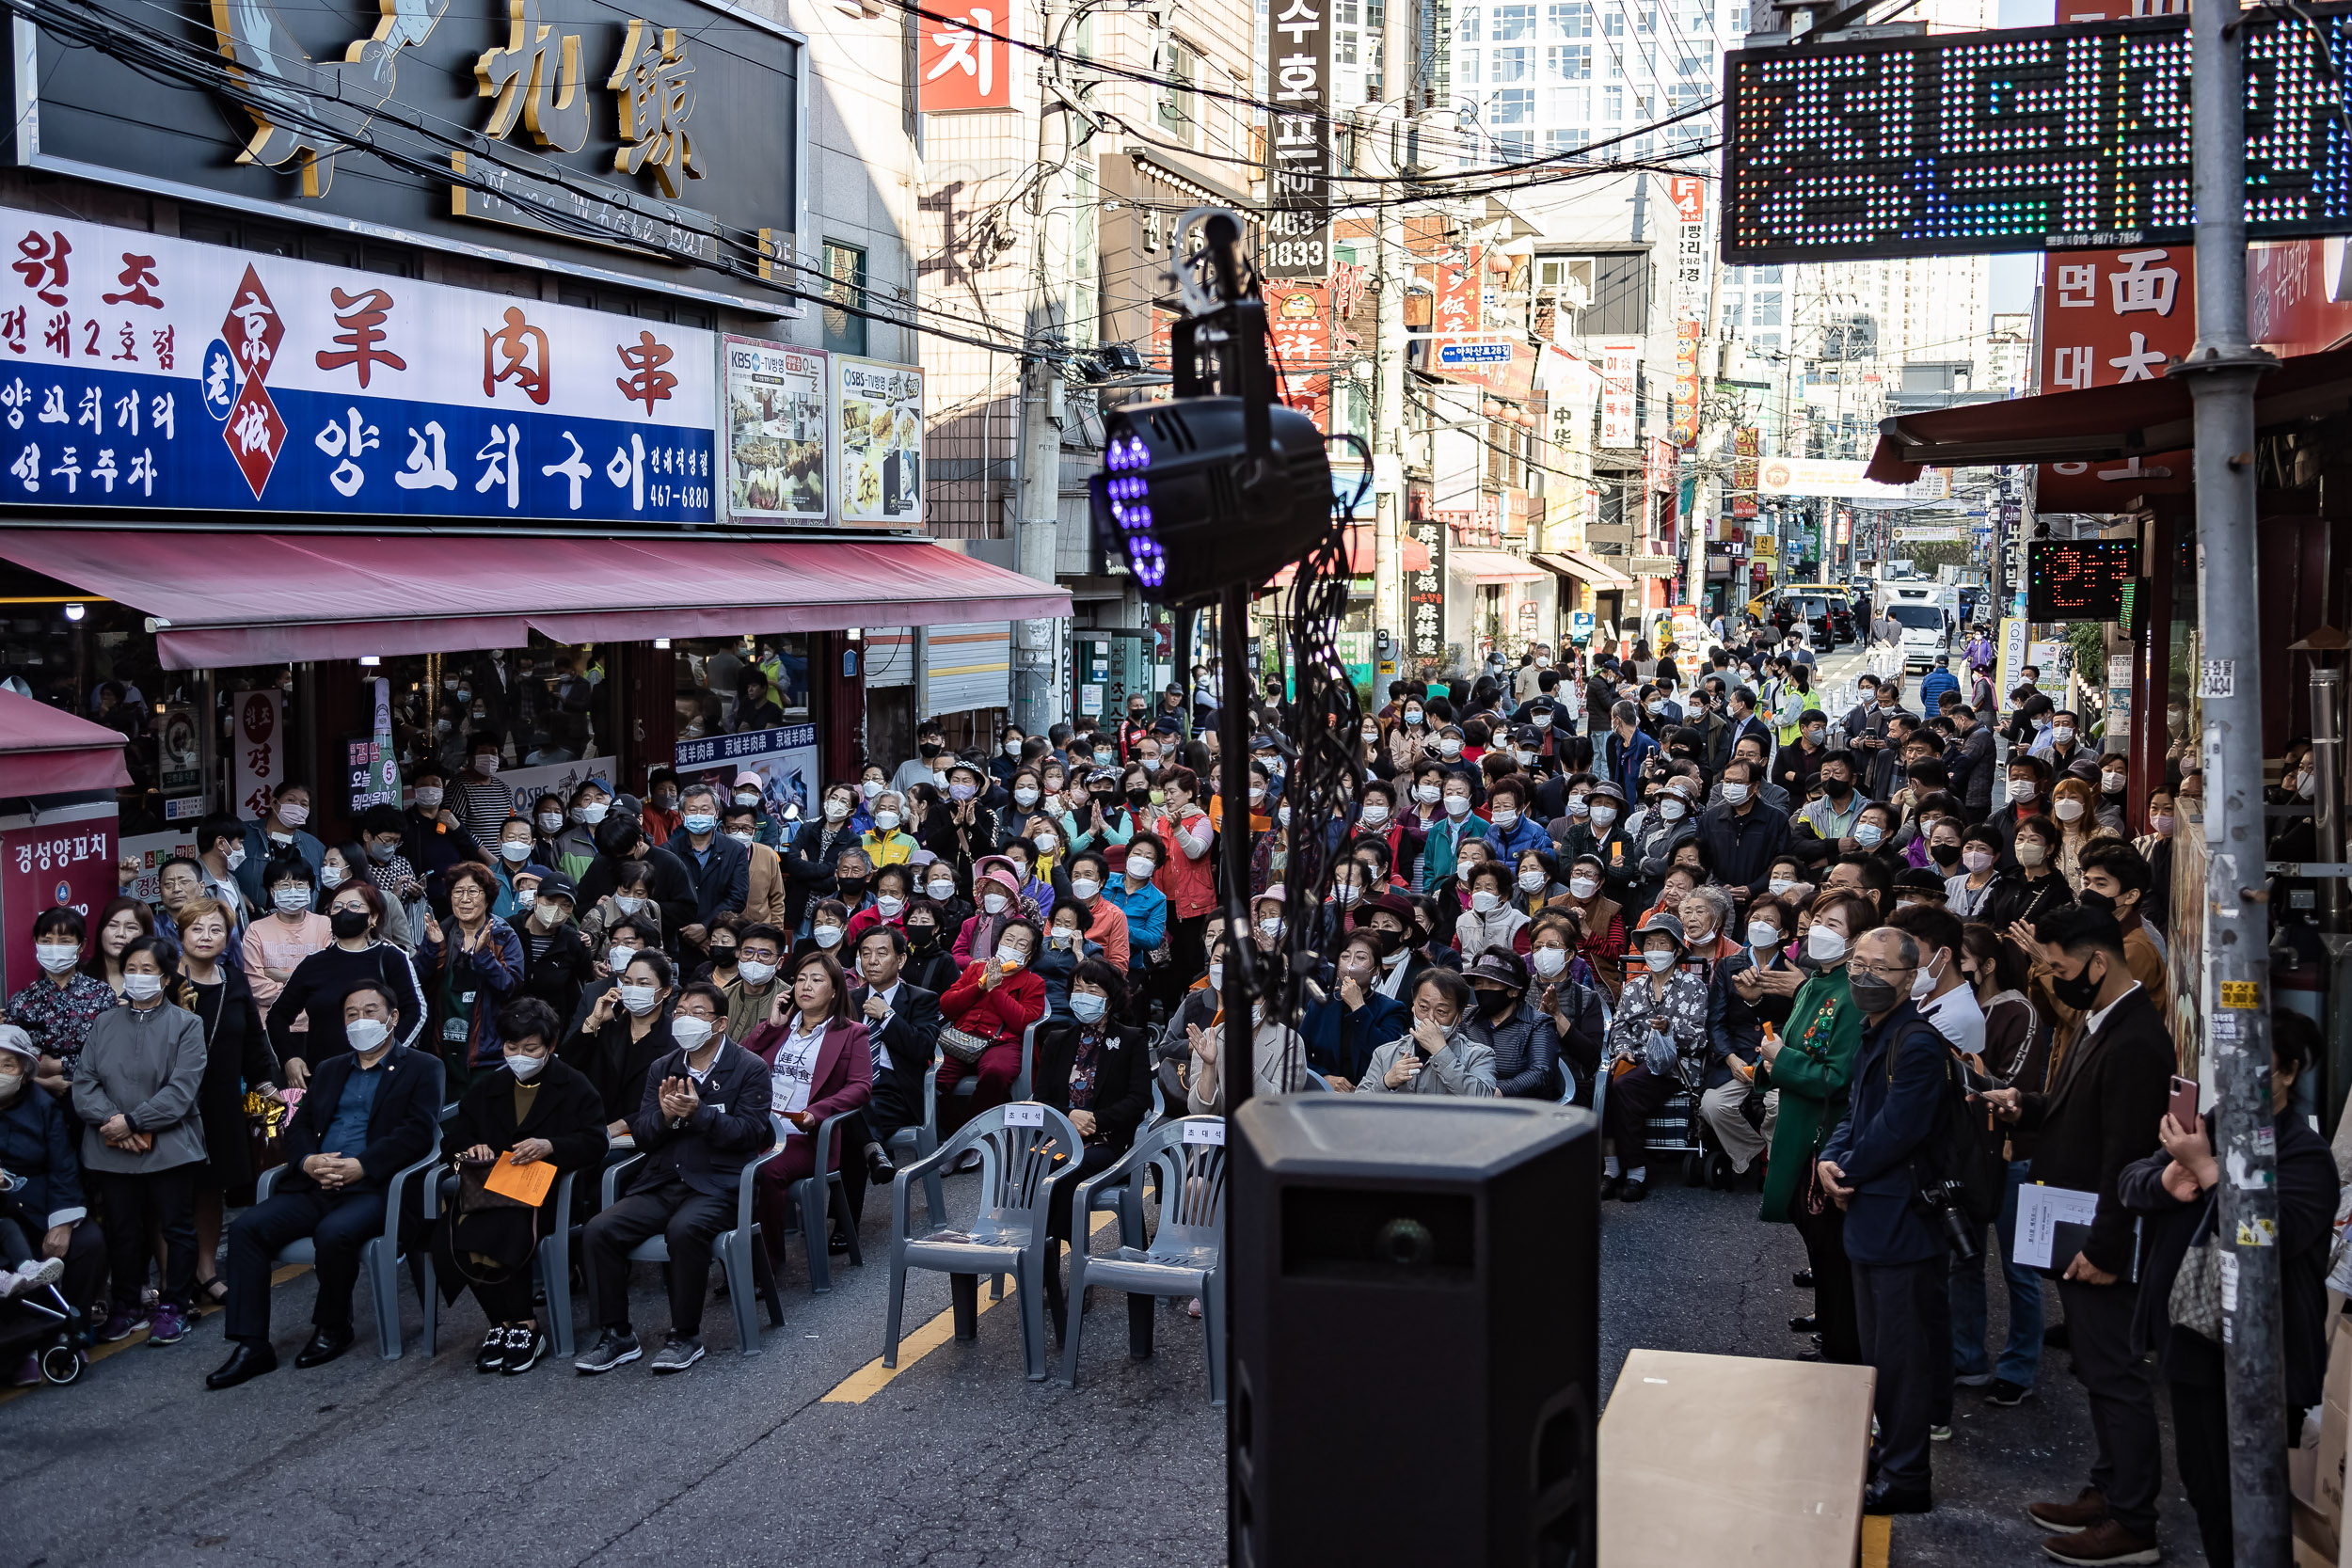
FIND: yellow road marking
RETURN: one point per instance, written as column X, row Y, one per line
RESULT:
column 98, row 1352
column 874, row 1377
column 1878, row 1534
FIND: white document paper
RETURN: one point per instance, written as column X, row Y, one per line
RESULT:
column 2039, row 1211
column 1025, row 1114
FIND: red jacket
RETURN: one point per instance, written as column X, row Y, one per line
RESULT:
column 1004, row 1014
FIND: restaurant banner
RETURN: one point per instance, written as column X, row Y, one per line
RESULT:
column 878, row 442
column 775, row 431
column 142, row 371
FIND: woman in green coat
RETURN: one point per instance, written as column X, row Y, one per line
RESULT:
column 1810, row 1068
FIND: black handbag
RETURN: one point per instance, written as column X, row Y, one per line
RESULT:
column 491, row 1228
column 962, row 1045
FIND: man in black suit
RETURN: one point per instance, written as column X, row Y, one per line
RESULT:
column 901, row 1022
column 1902, row 1269
column 368, row 1114
column 704, row 1114
column 2100, row 1114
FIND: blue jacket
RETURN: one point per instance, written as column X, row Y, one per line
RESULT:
column 1340, row 1043
column 1898, row 1099
column 257, row 850
column 1932, row 685
column 491, row 972
column 1525, row 835
column 37, row 1133
column 1146, row 909
column 721, row 884
column 1625, row 760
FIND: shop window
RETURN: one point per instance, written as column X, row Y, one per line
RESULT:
column 714, row 674
column 845, row 285
column 542, row 705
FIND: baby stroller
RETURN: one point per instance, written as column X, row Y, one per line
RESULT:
column 42, row 1320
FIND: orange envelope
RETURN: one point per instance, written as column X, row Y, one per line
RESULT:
column 523, row 1184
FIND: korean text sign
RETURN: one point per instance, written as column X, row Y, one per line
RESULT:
column 138, row 370
column 961, row 64
column 66, row 858
column 2109, row 317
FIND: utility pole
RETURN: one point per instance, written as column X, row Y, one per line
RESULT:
column 2221, row 371
column 1396, row 88
column 1037, row 694
column 1706, row 491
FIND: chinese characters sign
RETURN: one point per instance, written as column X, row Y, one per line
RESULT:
column 1620, row 369
column 1298, row 324
column 643, row 141
column 775, row 431
column 1298, row 139
column 879, row 408
column 959, row 64
column 1424, row 592
column 2109, row 317
column 138, row 370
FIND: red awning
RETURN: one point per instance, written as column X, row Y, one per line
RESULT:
column 2096, row 424
column 1492, row 566
column 1412, row 554
column 226, row 598
column 1576, row 564
column 46, row 751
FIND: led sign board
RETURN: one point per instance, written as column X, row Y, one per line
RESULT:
column 2036, row 138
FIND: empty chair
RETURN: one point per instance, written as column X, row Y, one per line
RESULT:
column 1183, row 1258
column 380, row 1259
column 922, row 1139
column 1022, row 1160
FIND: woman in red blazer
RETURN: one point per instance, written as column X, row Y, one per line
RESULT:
column 820, row 1065
column 996, row 998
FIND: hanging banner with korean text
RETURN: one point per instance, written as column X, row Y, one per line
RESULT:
column 1298, row 139
column 1620, row 371
column 1687, row 335
column 877, row 415
column 775, row 431
column 959, row 65
column 2110, row 317
column 67, row 856
column 257, row 744
column 141, row 371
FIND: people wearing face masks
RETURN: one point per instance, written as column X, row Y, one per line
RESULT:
column 1343, row 1027
column 1901, row 1261
column 1656, row 1044
column 1824, row 828
column 1506, row 1018
column 1602, row 837
column 45, row 1230
column 57, row 1009
column 1627, row 750
column 2103, row 1111
column 535, row 1109
column 1751, row 988
column 817, row 848
column 1810, row 1067
column 820, row 1052
column 574, row 839
column 619, row 841
column 371, row 1110
column 965, row 828
column 283, row 830
column 2031, row 886
column 313, row 993
column 993, row 1003
column 624, row 1032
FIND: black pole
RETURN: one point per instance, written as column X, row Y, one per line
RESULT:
column 1232, row 734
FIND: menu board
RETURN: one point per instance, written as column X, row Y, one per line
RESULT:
column 878, row 412
column 775, row 431
column 2080, row 579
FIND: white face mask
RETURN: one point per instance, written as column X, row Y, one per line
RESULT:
column 1449, row 747
column 1825, row 945
column 1271, row 928
column 1583, row 887
column 1457, row 805
column 1505, row 818
column 1781, row 884
column 332, row 876
column 1868, row 835
column 1061, row 936
column 1542, row 721
column 1763, row 935
column 639, row 1000
column 1484, row 902
column 994, row 902
column 691, row 1033
column 55, row 957
column 886, row 820
column 943, row 892
column 428, row 797
column 234, row 858
column 1671, row 808
column 1216, row 978
column 889, row 905
column 1084, row 888
column 629, row 903
column 1374, row 813
column 592, row 814
column 515, row 851
column 486, row 765
column 1533, row 881
column 551, row 822
column 142, row 987
column 836, row 810
column 291, row 899
column 1579, row 805
column 2022, row 790
column 1138, row 866
column 1658, row 962
column 827, row 937
column 1346, row 892
column 756, row 972
column 744, row 836
column 2063, row 732
column 2113, row 784
column 2067, row 811
column 1426, row 793
column 366, row 1034
column 1046, row 843
column 524, row 1068
column 1735, row 794
column 1547, row 962
column 1603, row 815
column 1922, row 983
column 1024, row 797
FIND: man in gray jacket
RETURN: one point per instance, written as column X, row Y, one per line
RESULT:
column 1437, row 1057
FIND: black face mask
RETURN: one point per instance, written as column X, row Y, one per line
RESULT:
column 1836, row 789
column 851, row 887
column 922, row 938
column 722, row 958
column 2079, row 993
column 1495, row 1003
column 1945, row 854
column 2091, row 899
column 347, row 923
column 1138, row 798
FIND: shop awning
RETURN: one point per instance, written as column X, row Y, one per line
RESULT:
column 46, row 751
column 1591, row 569
column 224, row 598
column 2096, row 424
column 1492, row 566
column 1412, row 555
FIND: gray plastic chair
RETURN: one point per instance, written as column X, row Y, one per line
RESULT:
column 1020, row 1167
column 1185, row 1258
column 811, row 1207
column 740, row 1251
column 552, row 1263
column 379, row 1260
column 923, row 1139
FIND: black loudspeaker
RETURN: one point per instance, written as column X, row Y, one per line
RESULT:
column 1413, row 1286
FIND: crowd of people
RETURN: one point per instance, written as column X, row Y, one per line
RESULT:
column 1827, row 950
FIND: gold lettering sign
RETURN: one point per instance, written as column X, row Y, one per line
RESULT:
column 342, row 97
column 537, row 79
column 654, row 81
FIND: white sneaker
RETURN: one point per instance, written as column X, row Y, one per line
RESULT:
column 32, row 1275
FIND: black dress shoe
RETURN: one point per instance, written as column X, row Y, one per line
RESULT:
column 837, row 1242
column 245, row 1362
column 1610, row 1186
column 1633, row 1191
column 1802, row 1323
column 1802, row 1279
column 1881, row 1497
column 880, row 1172
column 324, row 1347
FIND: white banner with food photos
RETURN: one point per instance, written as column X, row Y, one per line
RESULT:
column 775, row 431
column 878, row 445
